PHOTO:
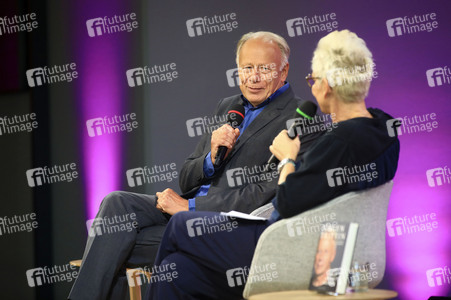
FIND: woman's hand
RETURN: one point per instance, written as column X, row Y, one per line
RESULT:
column 284, row 147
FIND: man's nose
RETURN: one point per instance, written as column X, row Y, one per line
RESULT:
column 255, row 76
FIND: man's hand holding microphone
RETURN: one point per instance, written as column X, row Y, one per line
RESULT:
column 224, row 138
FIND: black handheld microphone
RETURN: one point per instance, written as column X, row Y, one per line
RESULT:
column 235, row 117
column 306, row 110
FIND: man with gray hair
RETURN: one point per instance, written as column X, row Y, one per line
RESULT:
column 269, row 101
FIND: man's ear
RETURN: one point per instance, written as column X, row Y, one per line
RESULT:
column 284, row 72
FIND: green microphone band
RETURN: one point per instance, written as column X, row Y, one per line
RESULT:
column 303, row 114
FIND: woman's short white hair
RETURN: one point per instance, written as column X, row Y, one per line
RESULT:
column 266, row 36
column 344, row 60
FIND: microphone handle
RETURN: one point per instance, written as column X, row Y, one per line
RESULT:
column 222, row 150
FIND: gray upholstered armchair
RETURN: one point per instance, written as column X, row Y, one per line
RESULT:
column 291, row 246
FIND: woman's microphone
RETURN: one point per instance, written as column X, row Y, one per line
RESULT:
column 306, row 110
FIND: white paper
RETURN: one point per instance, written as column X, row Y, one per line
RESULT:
column 240, row 215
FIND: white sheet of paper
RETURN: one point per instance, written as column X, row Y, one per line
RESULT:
column 240, row 215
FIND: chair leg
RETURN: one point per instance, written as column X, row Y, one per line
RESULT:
column 134, row 286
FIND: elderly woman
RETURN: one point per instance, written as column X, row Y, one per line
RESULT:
column 200, row 248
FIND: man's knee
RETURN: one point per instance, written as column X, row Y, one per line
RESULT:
column 181, row 218
column 114, row 200
column 177, row 223
column 182, row 215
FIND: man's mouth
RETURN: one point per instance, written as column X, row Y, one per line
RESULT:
column 254, row 89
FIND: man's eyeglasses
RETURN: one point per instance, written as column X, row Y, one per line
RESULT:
column 311, row 80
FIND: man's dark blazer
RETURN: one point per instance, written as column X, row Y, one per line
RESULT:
column 251, row 149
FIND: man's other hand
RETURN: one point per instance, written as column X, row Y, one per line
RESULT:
column 170, row 202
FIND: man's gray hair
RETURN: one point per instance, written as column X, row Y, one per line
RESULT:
column 266, row 36
column 344, row 60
